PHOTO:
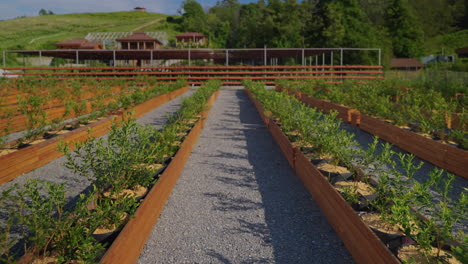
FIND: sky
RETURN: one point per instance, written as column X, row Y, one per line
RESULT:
column 14, row 8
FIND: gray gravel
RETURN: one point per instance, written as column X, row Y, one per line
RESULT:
column 238, row 201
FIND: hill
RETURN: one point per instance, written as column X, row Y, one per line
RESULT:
column 42, row 31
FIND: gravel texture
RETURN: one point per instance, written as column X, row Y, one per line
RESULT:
column 238, row 200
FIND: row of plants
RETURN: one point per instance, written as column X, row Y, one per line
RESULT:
column 121, row 170
column 421, row 109
column 33, row 102
column 377, row 181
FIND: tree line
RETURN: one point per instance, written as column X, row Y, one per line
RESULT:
column 397, row 26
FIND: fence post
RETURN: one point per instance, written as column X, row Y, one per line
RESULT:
column 227, row 57
column 341, row 57
column 303, row 62
column 77, row 58
column 265, row 56
column 380, row 57
column 4, row 59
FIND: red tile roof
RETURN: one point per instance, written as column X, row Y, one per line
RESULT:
column 74, row 42
column 91, row 45
column 405, row 63
column 138, row 36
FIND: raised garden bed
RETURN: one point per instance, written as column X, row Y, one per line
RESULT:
column 360, row 206
column 31, row 157
column 445, row 156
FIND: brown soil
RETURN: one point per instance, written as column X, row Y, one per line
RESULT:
column 44, row 260
column 334, row 169
column 181, row 134
column 362, row 188
column 176, row 143
column 373, row 220
column 103, row 230
column 414, row 253
column 138, row 192
column 155, row 166
column 293, row 133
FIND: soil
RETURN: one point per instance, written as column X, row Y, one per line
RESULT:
column 138, row 192
column 362, row 188
column 155, row 166
column 327, row 167
column 44, row 260
column 176, row 143
column 413, row 253
column 373, row 220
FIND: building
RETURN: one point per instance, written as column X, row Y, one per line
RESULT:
column 79, row 44
column 142, row 9
column 138, row 41
column 193, row 38
column 405, row 64
column 462, row 52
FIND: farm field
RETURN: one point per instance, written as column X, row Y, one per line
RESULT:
column 237, row 192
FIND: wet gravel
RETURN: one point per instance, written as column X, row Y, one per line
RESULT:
column 238, row 200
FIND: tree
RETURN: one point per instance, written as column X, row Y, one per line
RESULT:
column 42, row 12
column 193, row 17
column 404, row 30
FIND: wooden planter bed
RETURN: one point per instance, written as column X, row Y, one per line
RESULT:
column 359, row 239
column 35, row 156
column 127, row 247
column 444, row 156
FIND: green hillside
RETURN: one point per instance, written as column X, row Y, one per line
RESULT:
column 42, row 31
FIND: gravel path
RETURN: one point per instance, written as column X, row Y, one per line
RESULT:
column 238, row 201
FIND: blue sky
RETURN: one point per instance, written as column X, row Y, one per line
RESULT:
column 14, row 8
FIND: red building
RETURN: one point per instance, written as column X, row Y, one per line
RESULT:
column 193, row 38
column 139, row 41
column 79, row 44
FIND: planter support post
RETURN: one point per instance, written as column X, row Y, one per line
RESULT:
column 4, row 59
column 265, row 56
column 113, row 57
column 227, row 57
column 331, row 59
column 151, row 60
column 189, row 56
column 341, row 56
column 77, row 57
column 40, row 57
column 303, row 62
column 380, row 57
column 323, row 62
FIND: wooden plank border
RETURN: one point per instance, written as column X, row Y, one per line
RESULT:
column 130, row 242
column 362, row 243
column 36, row 156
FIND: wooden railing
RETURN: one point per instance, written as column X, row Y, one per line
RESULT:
column 199, row 74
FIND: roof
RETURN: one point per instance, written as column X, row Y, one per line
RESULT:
column 462, row 50
column 405, row 63
column 138, row 36
column 190, row 34
column 90, row 45
column 71, row 42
